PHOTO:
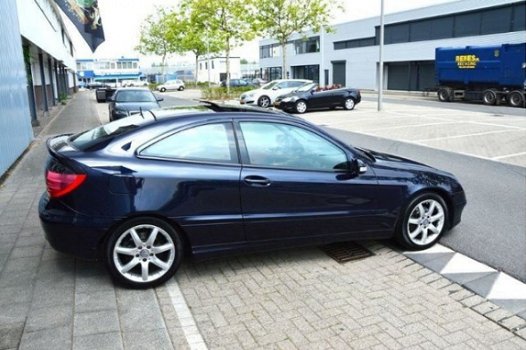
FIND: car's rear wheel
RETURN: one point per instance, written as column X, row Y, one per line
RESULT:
column 264, row 101
column 301, row 106
column 423, row 222
column 181, row 88
column 162, row 89
column 143, row 252
column 349, row 104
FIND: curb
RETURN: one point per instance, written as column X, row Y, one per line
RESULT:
column 490, row 293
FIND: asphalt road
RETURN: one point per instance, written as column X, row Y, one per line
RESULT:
column 493, row 228
column 458, row 105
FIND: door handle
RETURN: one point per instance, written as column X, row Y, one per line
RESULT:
column 258, row 181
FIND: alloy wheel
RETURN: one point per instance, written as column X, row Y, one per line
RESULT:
column 426, row 222
column 301, row 107
column 264, row 101
column 349, row 104
column 144, row 253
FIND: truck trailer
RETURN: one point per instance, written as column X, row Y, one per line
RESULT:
column 491, row 74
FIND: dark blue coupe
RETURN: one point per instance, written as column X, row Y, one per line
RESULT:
column 141, row 191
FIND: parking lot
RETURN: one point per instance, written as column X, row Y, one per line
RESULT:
column 483, row 133
column 295, row 299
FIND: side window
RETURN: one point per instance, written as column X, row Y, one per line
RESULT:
column 207, row 143
column 294, row 84
column 291, row 147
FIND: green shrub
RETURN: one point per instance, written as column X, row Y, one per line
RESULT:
column 220, row 93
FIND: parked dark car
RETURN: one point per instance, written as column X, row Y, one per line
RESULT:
column 142, row 191
column 238, row 83
column 128, row 101
column 310, row 97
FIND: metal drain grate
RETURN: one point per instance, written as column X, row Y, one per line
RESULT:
column 346, row 251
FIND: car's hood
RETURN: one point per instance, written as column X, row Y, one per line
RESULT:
column 396, row 162
column 135, row 106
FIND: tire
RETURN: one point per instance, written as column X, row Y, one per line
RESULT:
column 301, row 106
column 515, row 98
column 181, row 88
column 423, row 221
column 444, row 95
column 489, row 97
column 264, row 101
column 143, row 252
column 162, row 89
column 349, row 104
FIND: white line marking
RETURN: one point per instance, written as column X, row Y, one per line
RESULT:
column 465, row 135
column 191, row 332
column 510, row 155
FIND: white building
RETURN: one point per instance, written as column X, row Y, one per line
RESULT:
column 36, row 70
column 218, row 69
column 349, row 56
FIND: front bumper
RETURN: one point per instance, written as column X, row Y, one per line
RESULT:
column 70, row 232
column 286, row 106
column 459, row 201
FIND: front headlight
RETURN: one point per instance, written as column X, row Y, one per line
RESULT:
column 287, row 99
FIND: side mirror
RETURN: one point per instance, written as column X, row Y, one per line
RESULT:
column 159, row 99
column 357, row 167
column 275, row 88
column 110, row 99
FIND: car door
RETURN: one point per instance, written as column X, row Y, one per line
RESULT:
column 292, row 185
column 320, row 99
column 192, row 177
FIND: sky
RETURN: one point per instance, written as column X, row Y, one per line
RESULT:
column 122, row 19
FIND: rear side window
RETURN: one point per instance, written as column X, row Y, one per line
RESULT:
column 207, row 143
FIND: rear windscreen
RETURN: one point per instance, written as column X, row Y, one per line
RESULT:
column 87, row 139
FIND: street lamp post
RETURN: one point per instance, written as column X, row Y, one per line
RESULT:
column 208, row 55
column 381, row 58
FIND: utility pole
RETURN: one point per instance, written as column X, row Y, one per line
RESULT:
column 208, row 54
column 381, row 58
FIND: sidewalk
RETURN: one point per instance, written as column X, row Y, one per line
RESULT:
column 295, row 299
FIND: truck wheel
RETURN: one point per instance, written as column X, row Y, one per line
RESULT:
column 489, row 97
column 444, row 95
column 515, row 99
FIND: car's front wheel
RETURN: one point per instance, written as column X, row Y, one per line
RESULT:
column 162, row 89
column 264, row 101
column 349, row 104
column 301, row 106
column 423, row 222
column 143, row 252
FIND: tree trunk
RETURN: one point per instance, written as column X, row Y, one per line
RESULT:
column 196, row 68
column 284, row 60
column 162, row 64
column 228, row 66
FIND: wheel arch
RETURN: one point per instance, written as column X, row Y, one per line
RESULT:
column 187, row 248
column 435, row 190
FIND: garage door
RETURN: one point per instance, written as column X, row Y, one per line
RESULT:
column 338, row 72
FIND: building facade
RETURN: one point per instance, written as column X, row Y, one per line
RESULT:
column 36, row 71
column 218, row 69
column 349, row 55
column 108, row 70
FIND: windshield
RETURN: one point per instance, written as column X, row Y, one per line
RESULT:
column 134, row 96
column 269, row 85
column 307, row 87
column 87, row 139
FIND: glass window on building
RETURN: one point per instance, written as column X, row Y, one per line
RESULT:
column 119, row 65
column 310, row 72
column 135, row 65
column 272, row 73
column 307, row 46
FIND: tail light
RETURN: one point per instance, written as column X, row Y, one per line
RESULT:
column 59, row 184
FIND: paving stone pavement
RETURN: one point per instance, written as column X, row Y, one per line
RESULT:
column 295, row 299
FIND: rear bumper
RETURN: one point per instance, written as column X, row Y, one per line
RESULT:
column 70, row 232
